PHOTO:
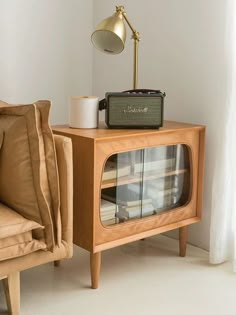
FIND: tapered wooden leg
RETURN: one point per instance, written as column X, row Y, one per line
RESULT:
column 95, row 265
column 12, row 292
column 183, row 235
column 57, row 263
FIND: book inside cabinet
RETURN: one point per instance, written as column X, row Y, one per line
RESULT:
column 146, row 182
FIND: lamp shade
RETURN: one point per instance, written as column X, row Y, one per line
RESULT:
column 110, row 35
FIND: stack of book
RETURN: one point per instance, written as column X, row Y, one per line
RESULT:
column 114, row 170
column 163, row 197
column 108, row 212
column 130, row 203
column 135, row 209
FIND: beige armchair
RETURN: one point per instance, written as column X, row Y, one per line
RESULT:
column 35, row 194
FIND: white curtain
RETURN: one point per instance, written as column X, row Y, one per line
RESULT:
column 223, row 219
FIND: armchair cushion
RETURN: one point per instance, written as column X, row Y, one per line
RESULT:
column 51, row 166
column 16, row 234
column 28, row 169
column 12, row 223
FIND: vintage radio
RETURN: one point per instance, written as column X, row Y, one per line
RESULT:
column 133, row 109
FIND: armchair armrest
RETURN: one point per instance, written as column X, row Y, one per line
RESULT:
column 65, row 169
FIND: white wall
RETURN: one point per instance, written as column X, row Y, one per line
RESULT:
column 181, row 53
column 45, row 52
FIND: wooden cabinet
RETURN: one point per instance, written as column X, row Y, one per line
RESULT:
column 132, row 184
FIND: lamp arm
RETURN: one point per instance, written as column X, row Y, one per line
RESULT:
column 136, row 35
column 120, row 9
column 136, row 38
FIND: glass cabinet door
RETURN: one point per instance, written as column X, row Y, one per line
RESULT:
column 144, row 183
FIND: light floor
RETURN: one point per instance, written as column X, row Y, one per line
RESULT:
column 144, row 277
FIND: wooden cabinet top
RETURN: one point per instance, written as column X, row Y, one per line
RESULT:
column 103, row 132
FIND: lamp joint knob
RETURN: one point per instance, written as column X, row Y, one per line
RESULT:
column 136, row 36
column 120, row 9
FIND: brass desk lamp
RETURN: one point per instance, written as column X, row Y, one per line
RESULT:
column 110, row 36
